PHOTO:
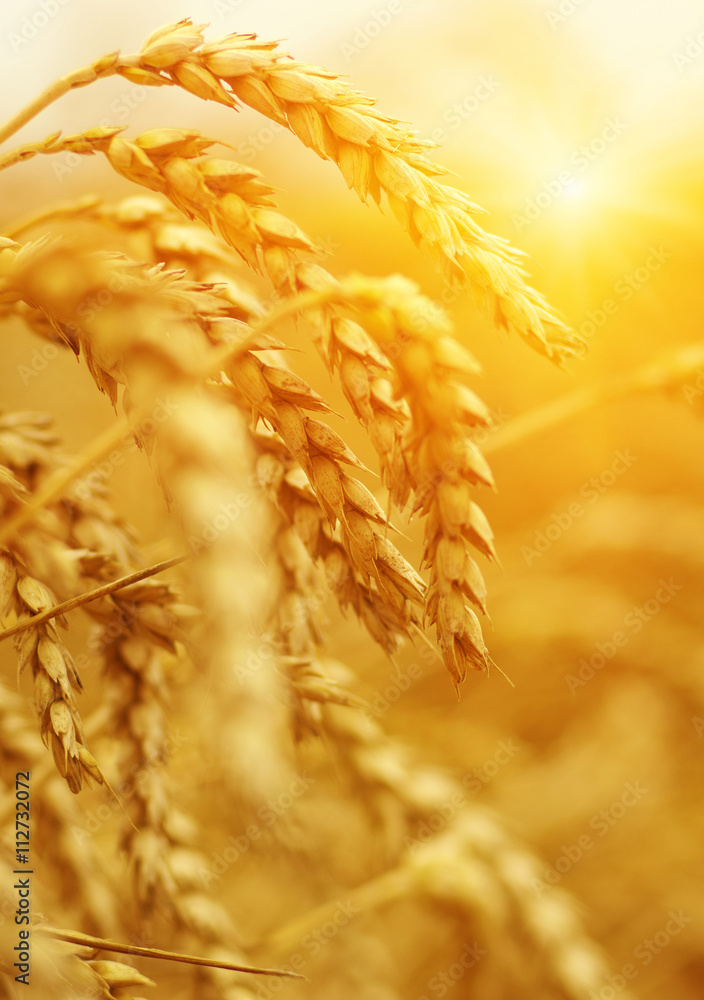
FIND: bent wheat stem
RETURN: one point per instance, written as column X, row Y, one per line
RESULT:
column 100, row 69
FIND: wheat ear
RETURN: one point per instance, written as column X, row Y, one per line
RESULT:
column 412, row 336
column 472, row 868
column 374, row 152
column 201, row 446
column 76, row 865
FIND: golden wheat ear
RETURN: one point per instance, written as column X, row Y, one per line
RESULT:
column 471, row 867
column 375, row 153
column 408, row 341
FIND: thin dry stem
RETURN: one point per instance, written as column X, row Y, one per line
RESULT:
column 101, row 68
column 93, row 595
column 90, row 941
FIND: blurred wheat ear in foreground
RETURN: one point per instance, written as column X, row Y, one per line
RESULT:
column 236, row 799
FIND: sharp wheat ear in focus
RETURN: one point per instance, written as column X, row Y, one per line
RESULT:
column 265, row 818
column 419, row 453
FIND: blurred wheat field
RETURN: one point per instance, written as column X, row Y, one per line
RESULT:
column 329, row 481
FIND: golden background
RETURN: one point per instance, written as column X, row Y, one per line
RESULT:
column 625, row 229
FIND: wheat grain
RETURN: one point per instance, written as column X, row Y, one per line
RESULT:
column 431, row 372
column 345, row 346
column 194, row 441
column 68, row 545
column 207, row 189
column 165, row 868
column 411, row 335
column 319, row 450
column 84, row 143
column 373, row 152
column 232, row 200
column 80, row 872
column 280, row 398
column 54, row 674
column 386, row 620
column 233, row 196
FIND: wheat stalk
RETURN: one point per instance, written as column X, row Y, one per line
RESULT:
column 344, row 344
column 670, row 375
column 185, row 464
column 84, row 143
column 72, row 543
column 339, row 124
column 269, row 391
column 280, row 398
